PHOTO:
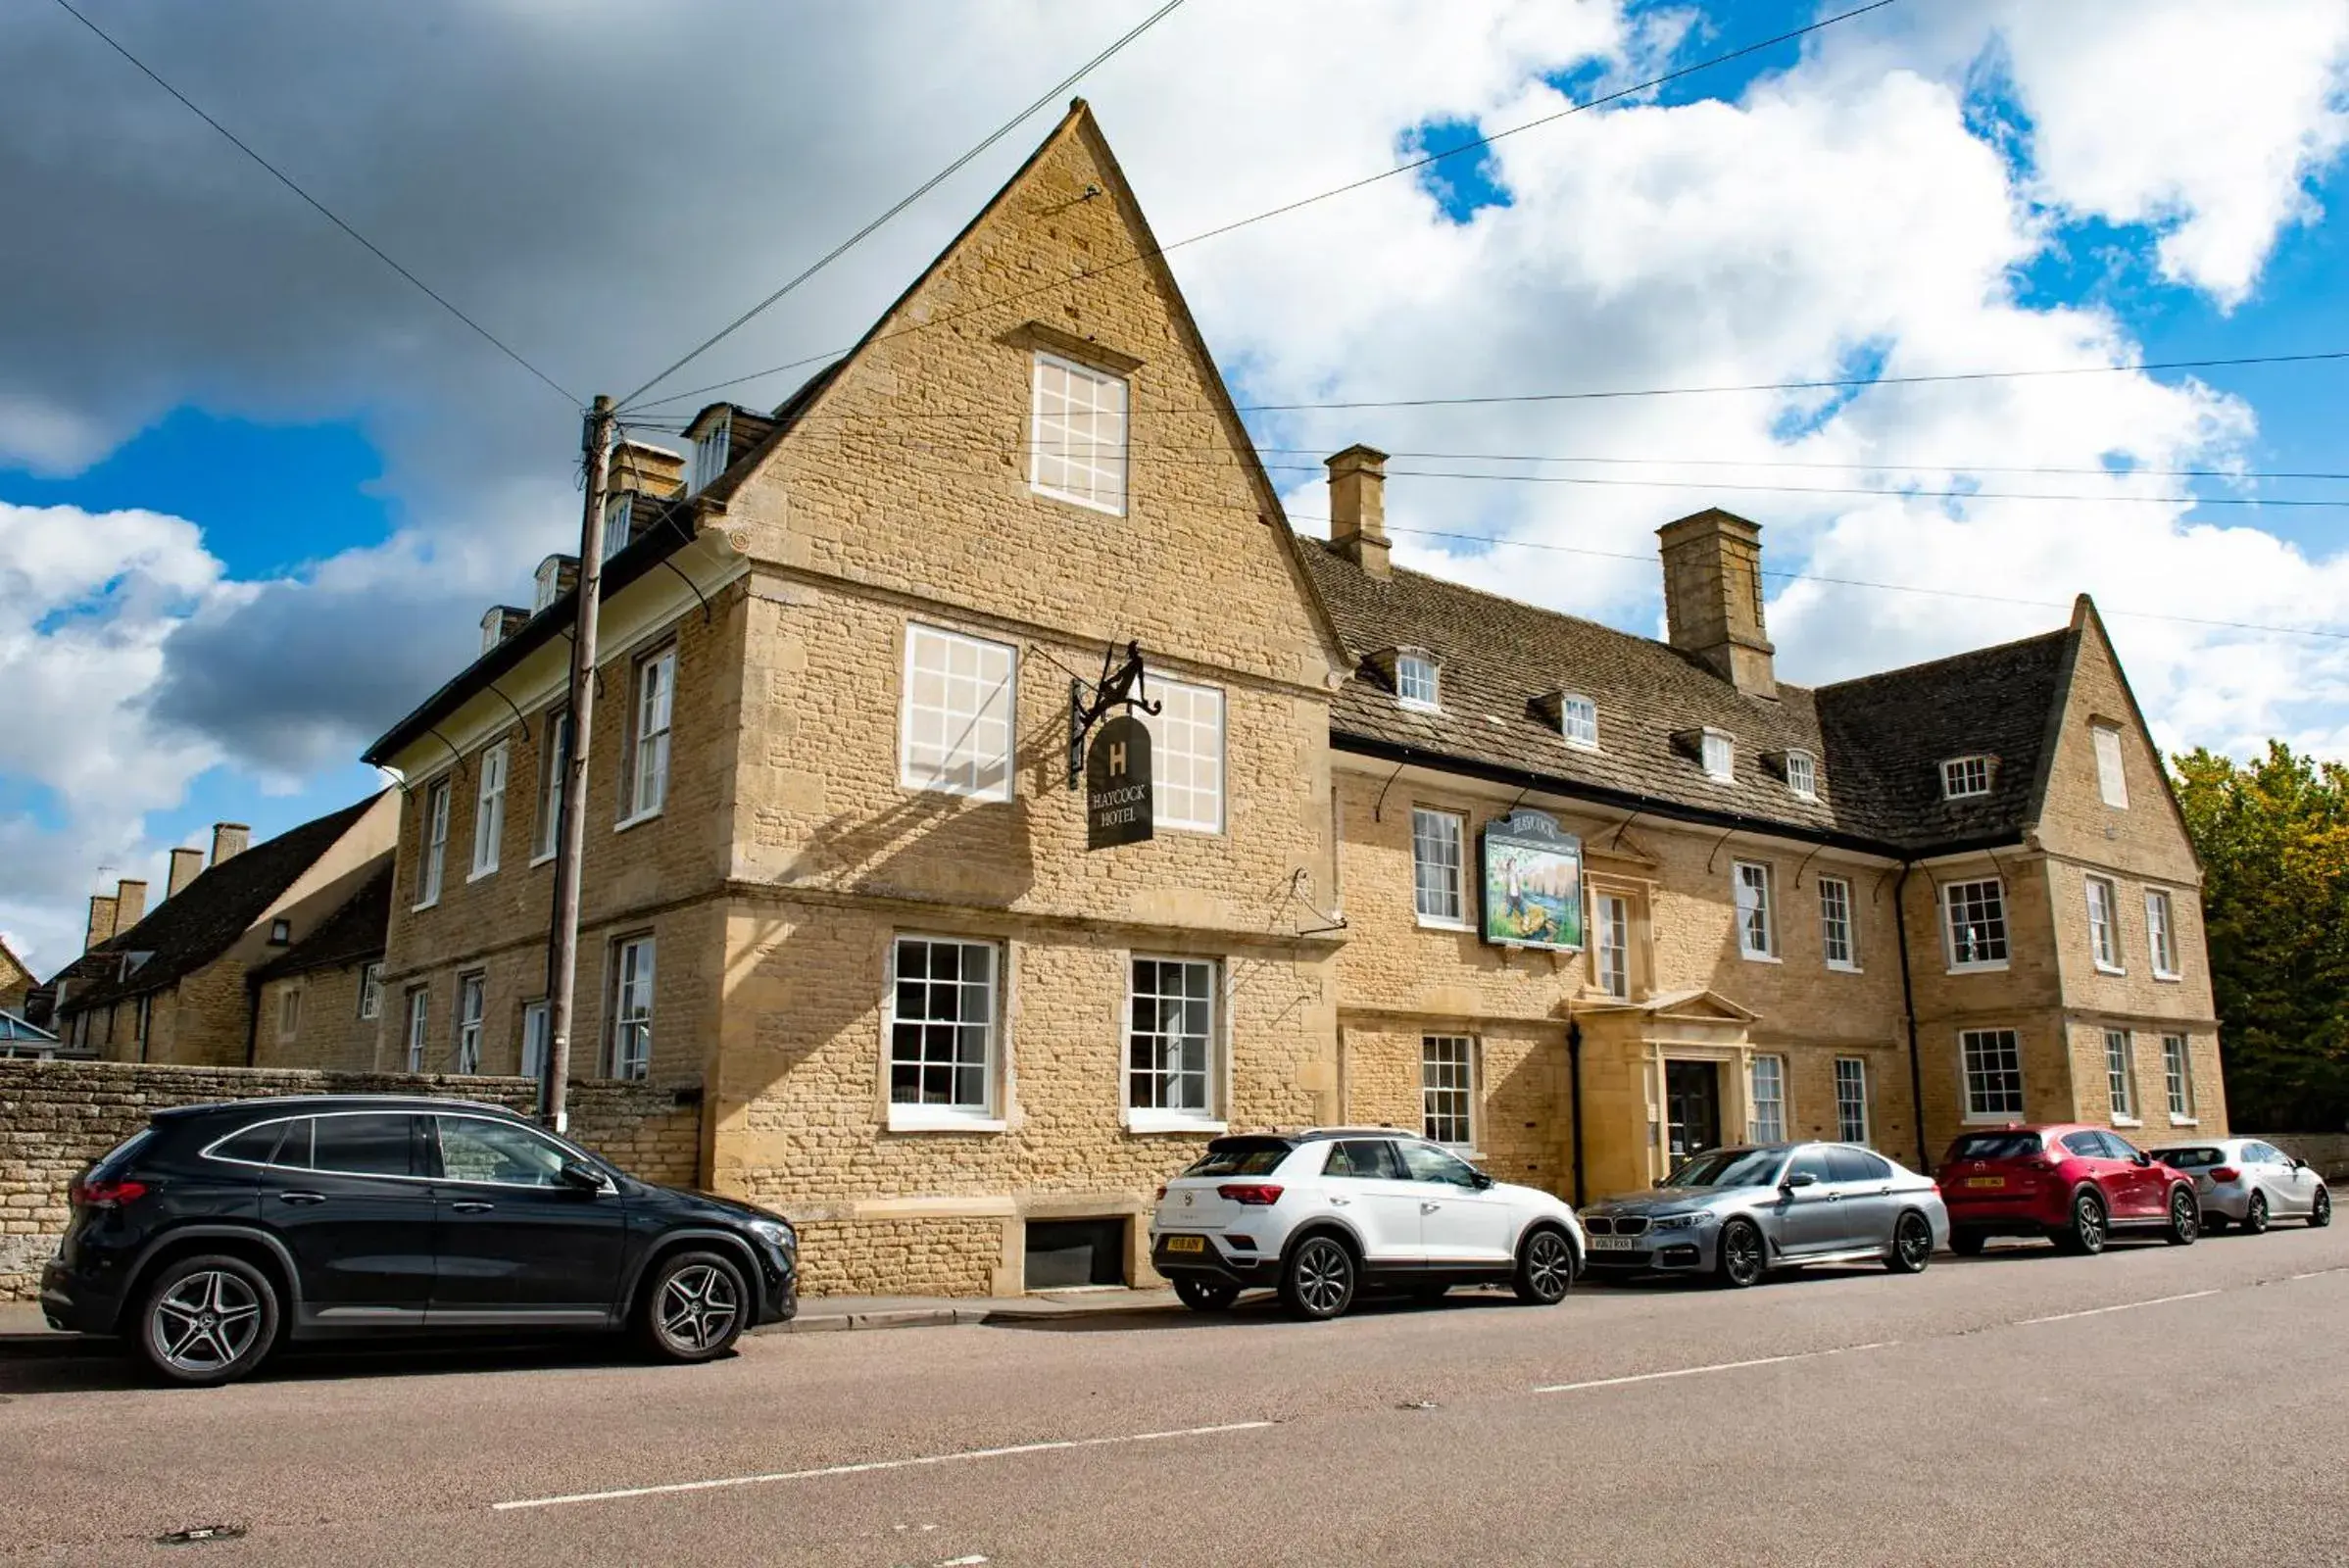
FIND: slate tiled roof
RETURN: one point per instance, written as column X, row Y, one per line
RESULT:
column 1878, row 741
column 201, row 923
column 352, row 934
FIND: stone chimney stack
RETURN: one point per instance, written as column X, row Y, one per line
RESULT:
column 131, row 903
column 1713, row 596
column 228, row 840
column 1358, row 507
column 655, row 470
column 102, row 921
column 186, row 866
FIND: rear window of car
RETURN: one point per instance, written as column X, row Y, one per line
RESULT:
column 2190, row 1158
column 1241, row 1156
column 114, row 1158
column 255, row 1145
column 1995, row 1145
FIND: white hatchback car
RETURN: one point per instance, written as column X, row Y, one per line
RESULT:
column 2242, row 1181
column 1322, row 1213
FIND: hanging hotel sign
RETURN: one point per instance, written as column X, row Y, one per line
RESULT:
column 1117, row 784
column 1533, row 883
column 1109, row 746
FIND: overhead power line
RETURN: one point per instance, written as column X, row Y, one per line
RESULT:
column 1876, row 587
column 917, row 193
column 1409, row 166
column 1495, row 541
column 320, row 207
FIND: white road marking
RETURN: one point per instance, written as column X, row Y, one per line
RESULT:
column 873, row 1465
column 2125, row 1306
column 1716, row 1366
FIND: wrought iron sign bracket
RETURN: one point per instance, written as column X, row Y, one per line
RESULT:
column 1117, row 688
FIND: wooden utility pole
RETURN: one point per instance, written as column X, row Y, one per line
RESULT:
column 563, row 942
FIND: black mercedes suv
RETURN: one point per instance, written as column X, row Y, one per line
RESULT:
column 217, row 1229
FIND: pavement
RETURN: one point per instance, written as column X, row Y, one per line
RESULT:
column 22, row 1329
column 2154, row 1405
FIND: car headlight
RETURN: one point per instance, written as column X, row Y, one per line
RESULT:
column 1682, row 1222
column 777, row 1235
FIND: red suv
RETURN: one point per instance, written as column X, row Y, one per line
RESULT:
column 2072, row 1185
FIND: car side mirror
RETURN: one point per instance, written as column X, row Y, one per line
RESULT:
column 2299, row 1164
column 580, row 1174
column 2140, row 1159
column 1800, row 1178
column 1479, row 1180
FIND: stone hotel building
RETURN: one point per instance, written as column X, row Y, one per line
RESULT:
column 1570, row 899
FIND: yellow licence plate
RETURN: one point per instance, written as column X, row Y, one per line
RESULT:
column 1186, row 1243
column 1986, row 1181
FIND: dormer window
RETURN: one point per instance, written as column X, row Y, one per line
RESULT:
column 1802, row 776
column 1415, row 680
column 1962, row 776
column 493, row 629
column 1717, row 754
column 550, row 584
column 281, row 932
column 618, row 509
column 1578, row 721
column 710, row 453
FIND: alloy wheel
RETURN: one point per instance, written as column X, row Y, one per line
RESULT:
column 206, row 1322
column 1914, row 1240
column 1741, row 1253
column 1324, row 1277
column 2320, row 1213
column 2185, row 1219
column 1549, row 1266
column 2087, row 1223
column 2255, row 1217
column 698, row 1306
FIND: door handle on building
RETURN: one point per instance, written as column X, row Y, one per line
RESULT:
column 472, row 1206
column 302, row 1198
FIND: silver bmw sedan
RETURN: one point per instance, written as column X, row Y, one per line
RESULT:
column 1737, row 1213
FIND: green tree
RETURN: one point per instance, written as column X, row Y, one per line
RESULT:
column 2274, row 837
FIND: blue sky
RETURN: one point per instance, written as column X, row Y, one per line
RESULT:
column 199, row 347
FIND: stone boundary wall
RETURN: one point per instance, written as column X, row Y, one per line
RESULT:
column 56, row 1116
column 2328, row 1151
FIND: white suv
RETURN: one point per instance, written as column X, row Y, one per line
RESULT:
column 1324, row 1212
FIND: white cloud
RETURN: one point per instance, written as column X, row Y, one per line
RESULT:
column 1840, row 212
column 2202, row 120
column 86, row 602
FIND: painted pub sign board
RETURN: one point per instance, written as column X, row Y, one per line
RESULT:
column 1117, row 784
column 1533, row 883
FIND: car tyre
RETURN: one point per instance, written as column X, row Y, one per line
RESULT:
column 1206, row 1295
column 2090, row 1227
column 1544, row 1267
column 207, row 1320
column 1318, row 1280
column 694, row 1306
column 2255, row 1216
column 2186, row 1217
column 1911, row 1244
column 2320, row 1212
column 1967, row 1243
column 1741, row 1260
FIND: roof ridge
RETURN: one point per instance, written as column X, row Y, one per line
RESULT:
column 1958, row 658
column 1456, row 586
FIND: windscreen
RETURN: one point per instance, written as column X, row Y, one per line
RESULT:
column 1241, row 1156
column 2190, row 1158
column 1995, row 1145
column 1730, row 1167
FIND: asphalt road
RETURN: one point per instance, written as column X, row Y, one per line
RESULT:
column 2153, row 1405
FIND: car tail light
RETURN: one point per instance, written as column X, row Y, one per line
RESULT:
column 107, row 1195
column 1161, row 1192
column 2224, row 1173
column 1254, row 1194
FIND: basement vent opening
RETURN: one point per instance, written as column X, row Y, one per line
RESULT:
column 1065, row 1253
